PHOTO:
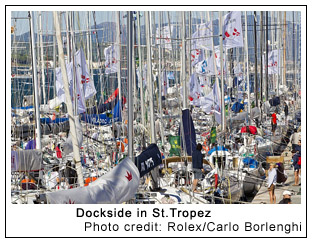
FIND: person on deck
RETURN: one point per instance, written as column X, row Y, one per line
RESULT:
column 272, row 175
column 294, row 139
column 197, row 163
column 273, row 122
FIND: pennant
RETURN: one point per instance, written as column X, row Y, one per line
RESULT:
column 175, row 145
column 232, row 30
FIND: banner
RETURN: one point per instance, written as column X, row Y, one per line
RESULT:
column 148, row 159
column 111, row 58
column 197, row 55
column 175, row 145
column 117, row 186
column 103, row 119
column 86, row 83
column 232, row 30
column 202, row 37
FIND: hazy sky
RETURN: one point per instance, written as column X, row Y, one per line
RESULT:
column 22, row 25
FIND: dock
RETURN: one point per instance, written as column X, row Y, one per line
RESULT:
column 263, row 197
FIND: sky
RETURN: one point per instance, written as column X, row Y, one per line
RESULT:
column 22, row 25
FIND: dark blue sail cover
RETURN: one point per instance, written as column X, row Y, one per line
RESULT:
column 103, row 119
column 189, row 133
column 148, row 159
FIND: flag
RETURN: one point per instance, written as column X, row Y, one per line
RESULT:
column 86, row 83
column 175, row 145
column 218, row 60
column 115, row 187
column 149, row 159
column 213, row 135
column 60, row 87
column 273, row 62
column 197, row 55
column 232, row 30
column 113, row 96
column 195, row 89
column 111, row 58
column 164, row 33
column 202, row 37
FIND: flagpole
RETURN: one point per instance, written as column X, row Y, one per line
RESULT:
column 42, row 60
column 68, row 101
column 266, row 56
column 256, row 59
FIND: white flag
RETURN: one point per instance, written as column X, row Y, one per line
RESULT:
column 197, row 55
column 232, row 30
column 83, row 75
column 273, row 62
column 195, row 90
column 218, row 62
column 115, row 187
column 211, row 103
column 163, row 37
column 60, row 87
column 202, row 37
column 111, row 58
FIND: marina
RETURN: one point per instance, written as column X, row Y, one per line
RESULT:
column 156, row 107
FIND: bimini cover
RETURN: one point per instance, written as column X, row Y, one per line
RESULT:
column 249, row 129
column 250, row 162
column 26, row 160
column 219, row 148
column 117, row 186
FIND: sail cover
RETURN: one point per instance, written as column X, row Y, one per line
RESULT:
column 26, row 160
column 148, row 159
column 189, row 132
column 117, row 186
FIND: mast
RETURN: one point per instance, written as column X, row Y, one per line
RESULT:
column 140, row 71
column 35, row 79
column 129, row 79
column 42, row 60
column 256, row 60
column 247, row 68
column 284, row 51
column 261, row 59
column 294, row 56
column 266, row 56
column 150, row 75
column 119, row 55
column 183, row 67
column 68, row 100
column 222, row 80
